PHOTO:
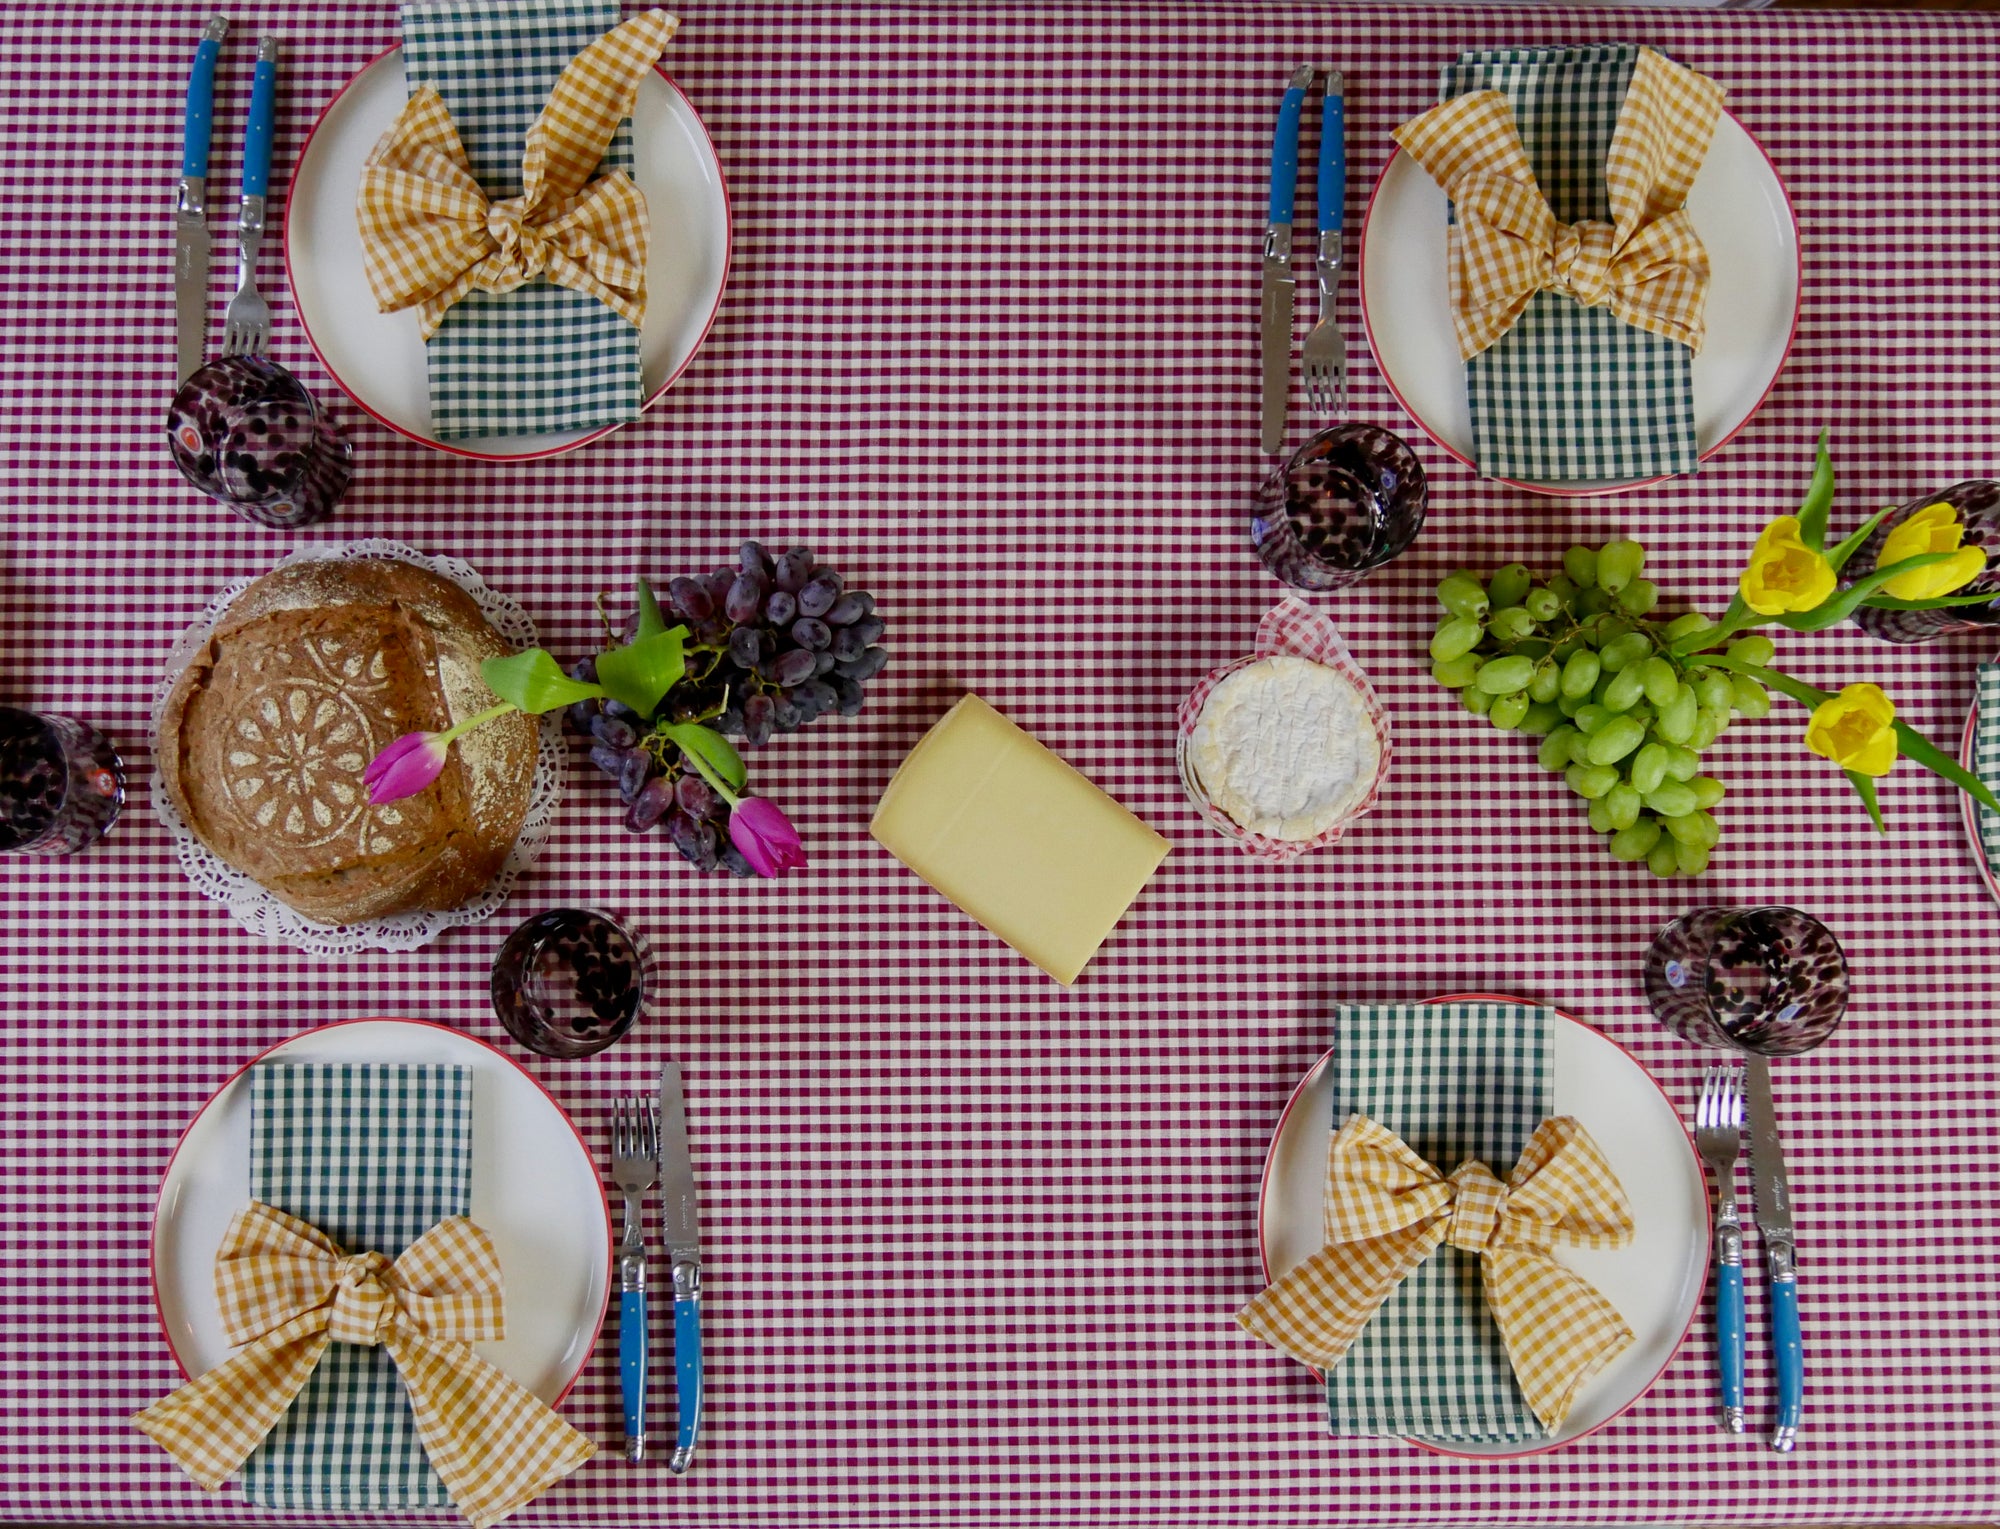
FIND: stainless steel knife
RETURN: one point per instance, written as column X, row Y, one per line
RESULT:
column 1280, row 288
column 680, row 1229
column 191, row 242
column 1774, row 1225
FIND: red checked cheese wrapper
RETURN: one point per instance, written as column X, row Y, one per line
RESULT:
column 1294, row 746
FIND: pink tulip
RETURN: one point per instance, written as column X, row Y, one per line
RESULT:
column 405, row 767
column 765, row 837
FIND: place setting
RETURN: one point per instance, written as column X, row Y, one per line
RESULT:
column 926, row 939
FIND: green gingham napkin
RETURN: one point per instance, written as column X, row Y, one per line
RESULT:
column 1570, row 391
column 1456, row 1081
column 542, row 357
column 1986, row 760
column 373, row 1155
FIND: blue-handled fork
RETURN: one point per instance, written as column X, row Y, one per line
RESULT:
column 247, row 326
column 1323, row 357
column 1718, row 1136
column 635, row 1164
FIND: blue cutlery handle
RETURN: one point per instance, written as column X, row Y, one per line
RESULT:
column 200, row 109
column 1285, row 156
column 632, row 1365
column 257, row 131
column 1332, row 198
column 687, row 1378
column 1729, row 1338
column 1786, row 1349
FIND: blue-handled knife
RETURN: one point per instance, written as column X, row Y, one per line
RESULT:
column 1774, row 1224
column 1279, row 285
column 191, row 241
column 680, row 1229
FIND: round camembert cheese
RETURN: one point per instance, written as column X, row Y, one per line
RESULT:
column 1285, row 747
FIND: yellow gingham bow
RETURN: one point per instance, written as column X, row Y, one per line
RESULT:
column 288, row 1291
column 1386, row 1212
column 1647, row 265
column 429, row 236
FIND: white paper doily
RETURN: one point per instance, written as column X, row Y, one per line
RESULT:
column 256, row 909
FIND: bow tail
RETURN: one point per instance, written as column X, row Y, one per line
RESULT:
column 1559, row 1332
column 493, row 1443
column 1316, row 1311
column 212, row 1424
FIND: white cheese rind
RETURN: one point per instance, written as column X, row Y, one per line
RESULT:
column 1285, row 747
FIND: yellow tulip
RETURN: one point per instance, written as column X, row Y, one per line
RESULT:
column 1784, row 573
column 1853, row 730
column 1934, row 528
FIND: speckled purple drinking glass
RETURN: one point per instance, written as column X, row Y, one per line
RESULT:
column 1977, row 501
column 568, row 983
column 62, row 785
column 246, row 433
column 1349, row 500
column 1769, row 980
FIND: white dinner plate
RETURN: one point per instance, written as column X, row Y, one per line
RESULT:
column 1656, row 1281
column 378, row 358
column 535, row 1191
column 1738, row 205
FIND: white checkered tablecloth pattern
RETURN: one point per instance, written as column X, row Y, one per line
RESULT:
column 973, row 1242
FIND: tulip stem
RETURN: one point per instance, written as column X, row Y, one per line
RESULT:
column 459, row 729
column 716, row 782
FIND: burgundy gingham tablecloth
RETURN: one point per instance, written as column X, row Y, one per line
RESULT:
column 973, row 1242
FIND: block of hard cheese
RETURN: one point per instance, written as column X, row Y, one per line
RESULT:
column 1016, row 838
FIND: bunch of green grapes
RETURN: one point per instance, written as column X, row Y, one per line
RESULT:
column 1579, row 661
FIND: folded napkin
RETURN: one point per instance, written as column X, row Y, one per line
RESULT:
column 1577, row 280
column 1986, row 760
column 498, row 115
column 353, row 1371
column 1459, row 1082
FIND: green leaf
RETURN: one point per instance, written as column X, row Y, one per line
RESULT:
column 643, row 671
column 1939, row 602
column 531, row 681
column 651, row 621
column 714, row 755
column 1932, row 758
column 1837, row 558
column 1818, row 500
column 1850, row 599
column 1864, row 787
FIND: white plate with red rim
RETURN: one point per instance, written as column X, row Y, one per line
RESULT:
column 1656, row 1282
column 1968, row 806
column 535, row 1191
column 378, row 358
column 1739, row 207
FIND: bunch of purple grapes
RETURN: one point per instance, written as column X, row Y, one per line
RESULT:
column 796, row 642
column 773, row 643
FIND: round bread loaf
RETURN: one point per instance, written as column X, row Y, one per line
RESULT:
column 310, row 673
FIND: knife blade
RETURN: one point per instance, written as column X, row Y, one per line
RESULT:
column 191, row 242
column 1774, row 1225
column 1280, row 288
column 680, row 1229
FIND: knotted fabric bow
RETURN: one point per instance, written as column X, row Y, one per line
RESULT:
column 429, row 235
column 1386, row 1212
column 288, row 1291
column 1647, row 265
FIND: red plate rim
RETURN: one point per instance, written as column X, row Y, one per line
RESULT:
column 1791, row 337
column 1707, row 1239
column 153, row 1234
column 728, row 252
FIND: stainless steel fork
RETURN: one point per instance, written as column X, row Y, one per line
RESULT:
column 1323, row 357
column 1718, row 1136
column 635, row 1164
column 247, row 327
